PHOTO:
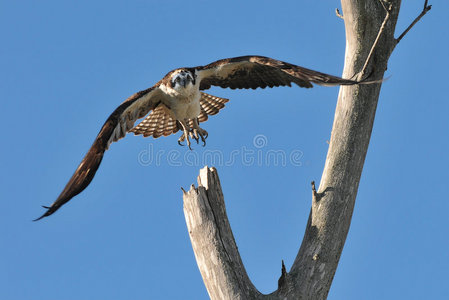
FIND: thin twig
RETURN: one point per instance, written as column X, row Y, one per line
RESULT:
column 424, row 11
column 381, row 29
column 337, row 12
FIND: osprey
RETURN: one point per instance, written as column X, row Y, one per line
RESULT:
column 177, row 102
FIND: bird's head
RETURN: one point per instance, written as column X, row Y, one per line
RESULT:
column 182, row 79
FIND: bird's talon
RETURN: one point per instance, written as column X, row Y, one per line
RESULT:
column 181, row 139
column 195, row 135
column 203, row 134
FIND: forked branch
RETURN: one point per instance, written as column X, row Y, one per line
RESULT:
column 382, row 28
column 424, row 11
column 311, row 275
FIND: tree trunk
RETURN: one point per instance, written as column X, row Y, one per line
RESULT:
column 332, row 205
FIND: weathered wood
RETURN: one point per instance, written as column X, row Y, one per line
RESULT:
column 332, row 204
column 212, row 240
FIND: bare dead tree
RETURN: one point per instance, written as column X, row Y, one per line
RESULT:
column 370, row 27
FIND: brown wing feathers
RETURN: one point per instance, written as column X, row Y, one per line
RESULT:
column 159, row 122
column 211, row 104
column 251, row 72
column 113, row 129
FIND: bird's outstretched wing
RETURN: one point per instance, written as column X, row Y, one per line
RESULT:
column 253, row 72
column 115, row 128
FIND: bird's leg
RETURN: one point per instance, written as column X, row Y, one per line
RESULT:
column 185, row 135
column 194, row 135
column 199, row 131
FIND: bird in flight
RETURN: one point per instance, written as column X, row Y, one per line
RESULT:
column 177, row 102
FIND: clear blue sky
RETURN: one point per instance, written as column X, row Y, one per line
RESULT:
column 66, row 65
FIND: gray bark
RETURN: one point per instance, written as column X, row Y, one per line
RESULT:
column 332, row 205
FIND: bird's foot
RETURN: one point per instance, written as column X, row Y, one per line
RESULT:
column 193, row 135
column 185, row 137
column 200, row 133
